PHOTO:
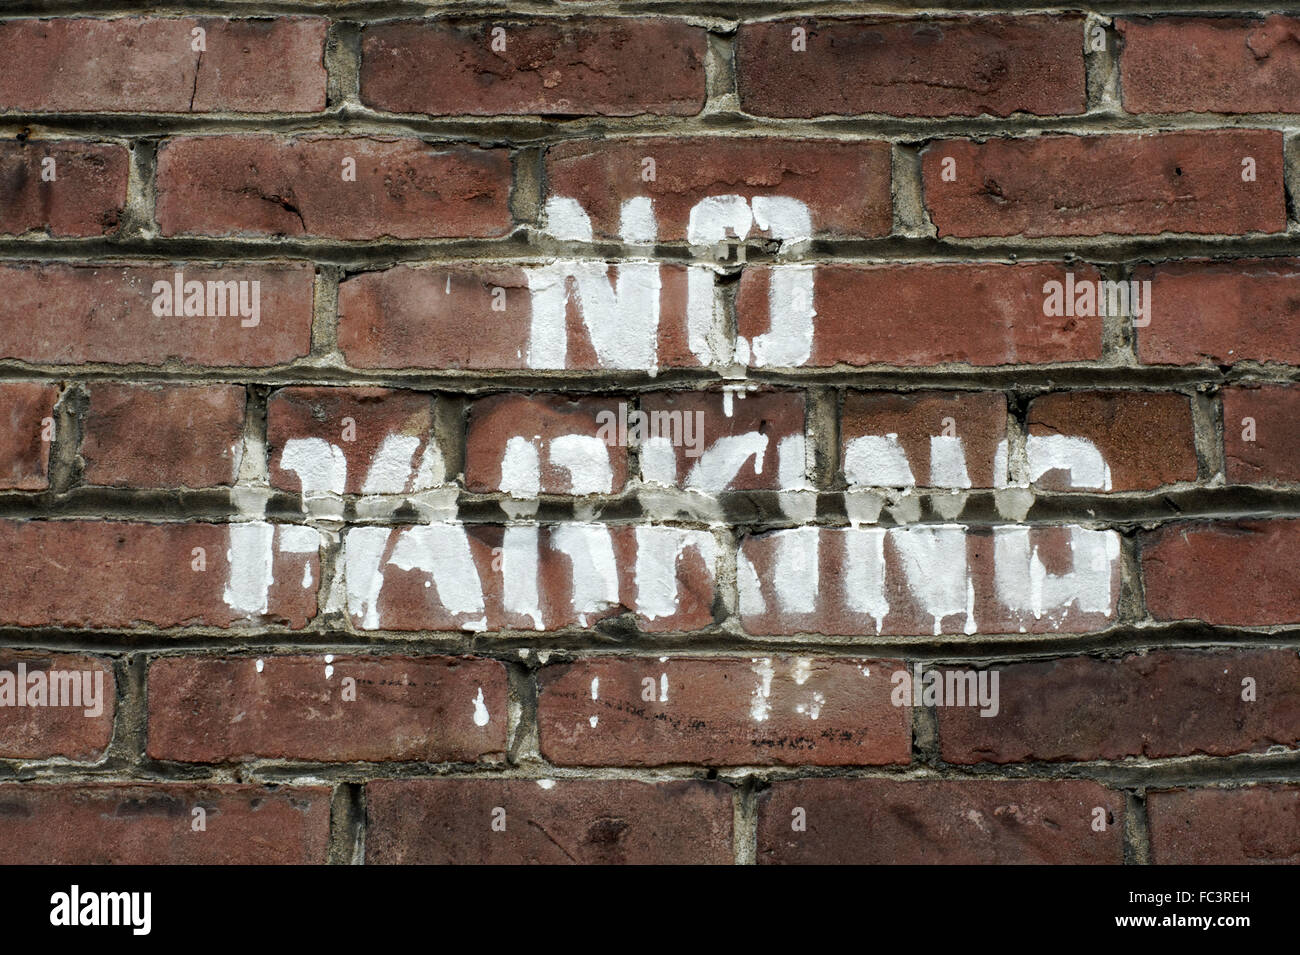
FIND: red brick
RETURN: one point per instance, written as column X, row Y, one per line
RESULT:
column 426, row 709
column 538, row 420
column 417, row 318
column 147, row 64
column 1210, row 65
column 976, row 314
column 978, row 419
column 950, row 822
column 562, row 66
column 1145, row 437
column 24, row 449
column 113, row 574
column 718, row 418
column 1272, row 453
column 68, row 314
column 762, row 711
column 1251, row 824
column 931, row 67
column 86, row 197
column 1163, row 703
column 1123, row 184
column 389, row 588
column 1237, row 573
column 358, row 422
column 268, row 185
column 606, row 822
column 1221, row 313
column 162, row 435
column 75, row 732
column 819, row 580
column 844, row 184
column 151, row 824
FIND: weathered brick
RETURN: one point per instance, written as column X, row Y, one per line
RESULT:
column 151, row 824
column 1234, row 573
column 1209, row 65
column 86, row 197
column 25, row 442
column 931, row 67
column 738, row 440
column 1145, row 437
column 1122, row 184
column 331, row 708
column 1153, row 705
column 722, row 712
column 442, row 821
column 845, row 185
column 75, row 697
column 1221, row 312
column 137, row 435
column 113, row 574
column 572, row 66
column 268, row 185
column 1211, row 826
column 976, row 314
column 68, row 314
column 951, row 822
column 928, row 579
column 928, row 425
column 1261, row 434
column 379, row 441
column 417, row 318
column 549, row 444
column 149, row 64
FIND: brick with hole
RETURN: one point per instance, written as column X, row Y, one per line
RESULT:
column 755, row 711
column 75, row 313
column 327, row 708
column 1261, row 434
column 140, row 435
column 900, row 67
column 63, row 188
column 28, row 436
column 154, row 824
column 1145, row 439
column 950, row 822
column 1254, row 824
column 943, row 439
column 119, row 574
column 530, row 444
column 408, row 317
column 164, row 65
column 56, row 705
column 353, row 440
column 1231, row 573
column 333, row 187
column 1220, row 312
column 1121, row 184
column 1155, row 705
column 601, row 66
column 787, row 189
column 547, row 821
column 956, row 313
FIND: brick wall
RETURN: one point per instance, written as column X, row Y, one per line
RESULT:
column 572, row 432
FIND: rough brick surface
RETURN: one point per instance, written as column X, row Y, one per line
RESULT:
column 25, row 441
column 85, row 197
column 70, row 704
column 1261, row 434
column 1211, row 826
column 580, row 65
column 932, row 67
column 440, row 821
